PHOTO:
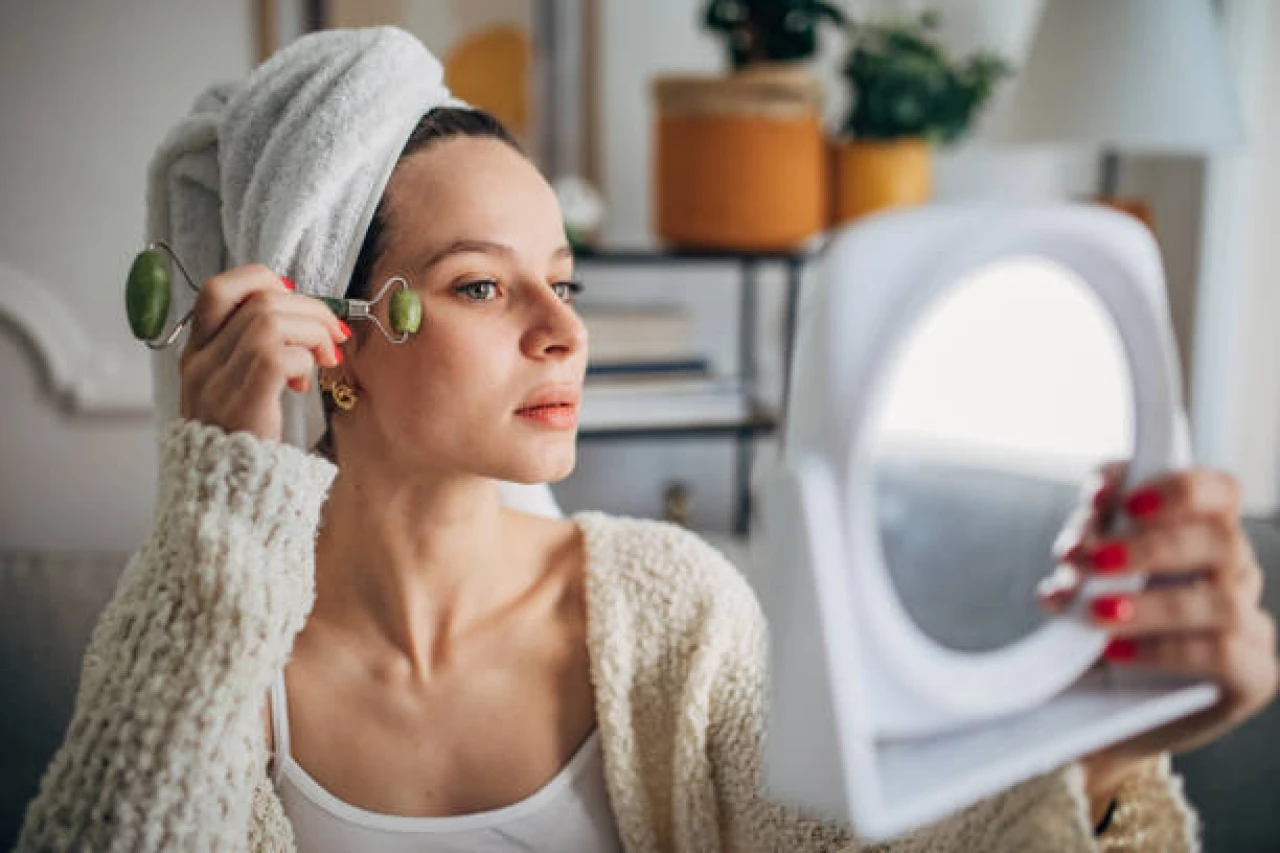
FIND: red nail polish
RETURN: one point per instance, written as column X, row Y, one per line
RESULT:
column 287, row 283
column 1113, row 608
column 1143, row 504
column 337, row 353
column 1121, row 649
column 1111, row 557
column 346, row 330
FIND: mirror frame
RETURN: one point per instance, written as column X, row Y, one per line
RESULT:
column 1115, row 258
column 869, row 717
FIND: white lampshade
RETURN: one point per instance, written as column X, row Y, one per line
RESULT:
column 1125, row 75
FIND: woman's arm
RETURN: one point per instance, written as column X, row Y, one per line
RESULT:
column 164, row 750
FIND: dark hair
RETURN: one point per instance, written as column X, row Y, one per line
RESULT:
column 435, row 126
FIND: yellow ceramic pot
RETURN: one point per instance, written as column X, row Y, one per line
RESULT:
column 739, row 161
column 870, row 176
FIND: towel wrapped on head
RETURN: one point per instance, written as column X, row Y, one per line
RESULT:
column 286, row 169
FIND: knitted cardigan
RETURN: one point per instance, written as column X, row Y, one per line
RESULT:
column 166, row 750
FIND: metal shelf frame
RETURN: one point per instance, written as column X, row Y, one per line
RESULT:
column 759, row 422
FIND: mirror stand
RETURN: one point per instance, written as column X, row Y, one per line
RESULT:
column 872, row 720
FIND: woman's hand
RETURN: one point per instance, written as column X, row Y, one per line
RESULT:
column 250, row 337
column 1199, row 615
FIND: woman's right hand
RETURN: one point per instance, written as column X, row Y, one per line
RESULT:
column 250, row 336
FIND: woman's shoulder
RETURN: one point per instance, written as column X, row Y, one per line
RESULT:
column 664, row 568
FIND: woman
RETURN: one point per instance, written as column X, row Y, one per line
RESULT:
column 462, row 675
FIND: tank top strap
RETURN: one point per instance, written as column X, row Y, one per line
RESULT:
column 279, row 724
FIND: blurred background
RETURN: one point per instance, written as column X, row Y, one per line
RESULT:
column 703, row 150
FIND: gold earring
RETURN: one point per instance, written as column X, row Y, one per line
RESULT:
column 344, row 396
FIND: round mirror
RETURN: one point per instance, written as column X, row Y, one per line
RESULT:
column 1003, row 401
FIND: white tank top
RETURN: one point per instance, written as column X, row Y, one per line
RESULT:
column 569, row 814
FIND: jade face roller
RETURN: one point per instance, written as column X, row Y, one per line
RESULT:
column 148, row 293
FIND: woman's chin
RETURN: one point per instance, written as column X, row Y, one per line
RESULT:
column 546, row 468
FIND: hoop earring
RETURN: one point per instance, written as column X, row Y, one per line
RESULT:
column 344, row 396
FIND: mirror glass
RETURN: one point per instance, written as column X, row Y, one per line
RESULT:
column 1001, row 405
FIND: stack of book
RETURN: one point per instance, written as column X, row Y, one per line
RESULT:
column 645, row 370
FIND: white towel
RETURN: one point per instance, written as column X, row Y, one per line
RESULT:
column 285, row 169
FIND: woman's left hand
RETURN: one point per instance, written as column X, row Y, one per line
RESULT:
column 1199, row 615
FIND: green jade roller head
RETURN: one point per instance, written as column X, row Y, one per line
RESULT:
column 148, row 292
column 404, row 311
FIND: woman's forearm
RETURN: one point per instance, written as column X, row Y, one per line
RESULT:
column 164, row 748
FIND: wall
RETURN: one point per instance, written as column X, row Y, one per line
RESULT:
column 88, row 91
column 1243, row 349
column 663, row 36
column 96, row 85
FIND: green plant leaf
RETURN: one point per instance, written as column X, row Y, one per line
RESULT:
column 831, row 13
column 769, row 30
column 903, row 83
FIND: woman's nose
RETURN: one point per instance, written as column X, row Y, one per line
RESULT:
column 557, row 329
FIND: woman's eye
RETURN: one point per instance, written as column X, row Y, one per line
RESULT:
column 567, row 290
column 477, row 291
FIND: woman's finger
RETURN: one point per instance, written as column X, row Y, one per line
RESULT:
column 1232, row 658
column 1249, row 582
column 1214, row 544
column 270, row 320
column 1183, row 495
column 255, row 345
column 1105, row 486
column 1094, row 510
column 231, row 391
column 1196, row 606
column 221, row 296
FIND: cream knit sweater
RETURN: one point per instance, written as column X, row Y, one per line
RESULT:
column 166, row 751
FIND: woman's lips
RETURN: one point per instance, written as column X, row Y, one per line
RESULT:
column 554, row 415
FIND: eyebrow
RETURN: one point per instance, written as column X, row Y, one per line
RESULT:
column 486, row 247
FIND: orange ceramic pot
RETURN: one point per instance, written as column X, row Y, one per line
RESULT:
column 739, row 162
column 870, row 176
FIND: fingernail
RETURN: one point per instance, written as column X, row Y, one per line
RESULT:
column 1143, row 504
column 1121, row 649
column 1110, row 557
column 1054, row 602
column 1113, row 608
column 287, row 283
column 337, row 353
column 346, row 330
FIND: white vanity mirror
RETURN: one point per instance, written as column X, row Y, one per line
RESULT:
column 1004, row 401
column 961, row 375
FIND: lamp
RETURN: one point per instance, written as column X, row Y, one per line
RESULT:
column 1145, row 76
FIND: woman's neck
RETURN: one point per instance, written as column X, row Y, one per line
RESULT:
column 412, row 569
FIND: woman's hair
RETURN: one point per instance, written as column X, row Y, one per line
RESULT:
column 437, row 125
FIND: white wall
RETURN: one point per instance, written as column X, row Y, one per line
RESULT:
column 88, row 90
column 642, row 40
column 1252, row 369
column 94, row 86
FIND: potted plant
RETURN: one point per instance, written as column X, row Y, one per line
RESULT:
column 769, row 31
column 907, row 96
column 740, row 160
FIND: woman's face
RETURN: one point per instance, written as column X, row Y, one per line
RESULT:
column 478, row 233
